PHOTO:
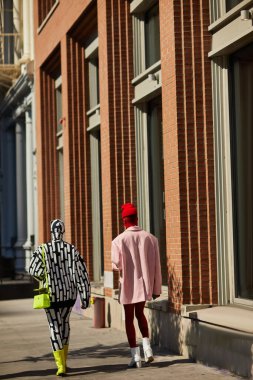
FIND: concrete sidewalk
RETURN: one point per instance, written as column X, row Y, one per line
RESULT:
column 25, row 351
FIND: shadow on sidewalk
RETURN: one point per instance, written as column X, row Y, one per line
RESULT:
column 105, row 368
column 106, row 353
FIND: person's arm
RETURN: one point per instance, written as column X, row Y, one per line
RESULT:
column 37, row 267
column 82, row 280
column 157, row 289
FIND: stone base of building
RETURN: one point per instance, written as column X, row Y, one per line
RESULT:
column 221, row 337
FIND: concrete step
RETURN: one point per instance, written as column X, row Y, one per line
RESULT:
column 16, row 289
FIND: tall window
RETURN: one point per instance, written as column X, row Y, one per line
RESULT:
column 242, row 168
column 93, row 81
column 152, row 36
column 93, row 115
column 156, row 176
column 58, row 97
column 148, row 121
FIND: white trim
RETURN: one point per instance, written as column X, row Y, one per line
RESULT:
column 91, row 49
column 58, row 82
column 140, row 6
column 142, row 174
column 41, row 26
column 223, row 186
column 232, row 37
column 226, row 17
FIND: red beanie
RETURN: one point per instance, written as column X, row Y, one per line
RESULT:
column 128, row 209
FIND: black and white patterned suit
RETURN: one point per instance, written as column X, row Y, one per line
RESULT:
column 67, row 276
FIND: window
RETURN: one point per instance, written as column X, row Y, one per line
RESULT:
column 152, row 36
column 93, row 115
column 231, row 4
column 241, row 71
column 93, row 81
column 156, row 177
column 58, row 98
column 232, row 66
column 45, row 9
column 148, row 122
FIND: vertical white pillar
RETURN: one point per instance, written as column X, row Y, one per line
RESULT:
column 27, row 26
column 16, row 23
column 21, row 196
column 31, row 30
column 29, row 189
column 34, row 170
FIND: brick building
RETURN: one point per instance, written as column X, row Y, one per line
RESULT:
column 144, row 101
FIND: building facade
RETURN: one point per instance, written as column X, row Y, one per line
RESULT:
column 18, row 203
column 148, row 101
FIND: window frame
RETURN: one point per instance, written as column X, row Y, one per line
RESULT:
column 147, row 86
column 60, row 147
column 93, row 130
column 222, row 150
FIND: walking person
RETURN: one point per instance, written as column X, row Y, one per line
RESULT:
column 66, row 276
column 135, row 253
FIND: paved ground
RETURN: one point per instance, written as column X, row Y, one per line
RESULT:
column 25, row 351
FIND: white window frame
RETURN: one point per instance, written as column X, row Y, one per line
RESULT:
column 234, row 38
column 59, row 148
column 147, row 85
column 93, row 117
column 218, row 10
column 93, row 114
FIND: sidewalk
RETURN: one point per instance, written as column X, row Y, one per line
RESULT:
column 25, row 351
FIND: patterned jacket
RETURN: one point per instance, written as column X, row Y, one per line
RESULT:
column 66, row 272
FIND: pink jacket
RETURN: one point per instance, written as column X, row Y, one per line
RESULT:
column 135, row 253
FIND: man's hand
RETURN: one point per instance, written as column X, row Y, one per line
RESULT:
column 155, row 296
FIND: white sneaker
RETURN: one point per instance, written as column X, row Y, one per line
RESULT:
column 136, row 358
column 148, row 353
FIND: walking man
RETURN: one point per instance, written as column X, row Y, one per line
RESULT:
column 135, row 253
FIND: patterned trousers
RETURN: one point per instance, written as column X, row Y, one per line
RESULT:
column 58, row 320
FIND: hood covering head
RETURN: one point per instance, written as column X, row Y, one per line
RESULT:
column 57, row 229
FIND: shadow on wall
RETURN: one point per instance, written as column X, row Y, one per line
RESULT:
column 226, row 349
column 165, row 322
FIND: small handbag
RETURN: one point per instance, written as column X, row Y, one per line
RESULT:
column 42, row 300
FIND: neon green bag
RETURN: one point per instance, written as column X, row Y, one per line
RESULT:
column 42, row 300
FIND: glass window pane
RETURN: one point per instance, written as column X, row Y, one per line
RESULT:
column 152, row 36
column 61, row 182
column 93, row 82
column 156, row 178
column 231, row 4
column 59, row 108
column 242, row 168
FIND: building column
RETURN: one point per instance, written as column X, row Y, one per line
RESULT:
column 28, row 246
column 16, row 24
column 27, row 31
column 21, row 195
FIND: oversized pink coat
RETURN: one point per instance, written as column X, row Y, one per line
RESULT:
column 135, row 253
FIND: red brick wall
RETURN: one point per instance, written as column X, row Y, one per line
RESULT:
column 117, row 118
column 76, row 152
column 188, row 140
column 187, row 133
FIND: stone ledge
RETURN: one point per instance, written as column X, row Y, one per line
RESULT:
column 230, row 317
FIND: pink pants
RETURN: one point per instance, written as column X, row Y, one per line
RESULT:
column 130, row 310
